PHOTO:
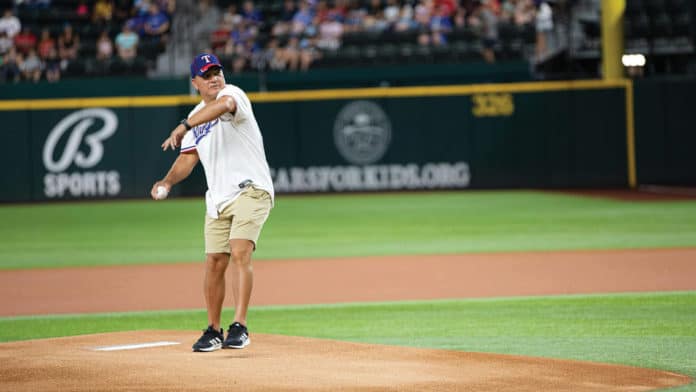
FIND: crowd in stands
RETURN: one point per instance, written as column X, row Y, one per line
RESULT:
column 31, row 51
column 108, row 36
column 302, row 32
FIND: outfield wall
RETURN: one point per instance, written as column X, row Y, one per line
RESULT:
column 521, row 135
column 666, row 132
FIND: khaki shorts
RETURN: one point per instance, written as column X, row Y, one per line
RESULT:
column 241, row 219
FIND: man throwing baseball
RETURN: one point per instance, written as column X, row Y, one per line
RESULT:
column 221, row 132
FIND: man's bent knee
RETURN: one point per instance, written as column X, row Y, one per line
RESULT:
column 217, row 261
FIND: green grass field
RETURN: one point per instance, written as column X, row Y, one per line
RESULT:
column 651, row 330
column 138, row 232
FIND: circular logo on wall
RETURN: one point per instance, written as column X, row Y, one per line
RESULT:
column 362, row 132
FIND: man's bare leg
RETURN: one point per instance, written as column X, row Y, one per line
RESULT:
column 242, row 276
column 214, row 286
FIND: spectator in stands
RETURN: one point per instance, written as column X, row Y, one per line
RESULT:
column 122, row 10
column 31, row 67
column 127, row 43
column 355, row 17
column 219, row 37
column 488, row 29
column 5, row 44
column 242, row 54
column 544, row 28
column 525, row 12
column 207, row 18
column 321, row 11
column 422, row 13
column 82, row 11
column 68, row 45
column 440, row 25
column 269, row 58
column 308, row 52
column 167, row 6
column 449, row 6
column 105, row 48
column 459, row 18
column 302, row 18
column 103, row 12
column 340, row 7
column 507, row 11
column 291, row 53
column 25, row 40
column 36, row 3
column 141, row 7
column 374, row 7
column 46, row 43
column 238, row 37
column 250, row 14
column 10, row 24
column 330, row 33
column 375, row 23
column 10, row 71
column 52, row 66
column 392, row 13
column 231, row 16
column 405, row 22
column 156, row 24
column 283, row 25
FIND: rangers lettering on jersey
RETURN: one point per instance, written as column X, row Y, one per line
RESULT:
column 201, row 131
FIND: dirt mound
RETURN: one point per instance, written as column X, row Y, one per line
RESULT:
column 280, row 363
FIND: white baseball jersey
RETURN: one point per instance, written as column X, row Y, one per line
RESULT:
column 231, row 150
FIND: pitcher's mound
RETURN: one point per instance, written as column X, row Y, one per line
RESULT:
column 162, row 360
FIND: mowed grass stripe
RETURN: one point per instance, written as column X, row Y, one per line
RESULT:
column 139, row 232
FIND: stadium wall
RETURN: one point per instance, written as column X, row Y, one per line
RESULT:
column 530, row 135
column 666, row 132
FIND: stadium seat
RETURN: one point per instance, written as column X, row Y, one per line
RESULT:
column 682, row 25
column 591, row 28
column 633, row 7
column 349, row 54
column 388, row 53
column 442, row 53
column 655, row 6
column 640, row 26
column 627, row 29
column 369, row 54
column 463, row 34
column 661, row 25
column 675, row 7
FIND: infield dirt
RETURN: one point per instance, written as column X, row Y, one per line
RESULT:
column 279, row 363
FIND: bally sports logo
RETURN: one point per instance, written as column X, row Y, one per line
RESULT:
column 82, row 148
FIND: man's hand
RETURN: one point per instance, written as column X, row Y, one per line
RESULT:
column 174, row 139
column 153, row 191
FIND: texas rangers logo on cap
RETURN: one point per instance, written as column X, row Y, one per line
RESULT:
column 202, row 63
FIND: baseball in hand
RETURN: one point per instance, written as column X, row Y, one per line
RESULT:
column 161, row 192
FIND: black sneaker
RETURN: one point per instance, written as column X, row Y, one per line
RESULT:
column 210, row 341
column 237, row 336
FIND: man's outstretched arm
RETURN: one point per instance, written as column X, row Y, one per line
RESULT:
column 181, row 168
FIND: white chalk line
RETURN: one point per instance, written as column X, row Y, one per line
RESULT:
column 134, row 346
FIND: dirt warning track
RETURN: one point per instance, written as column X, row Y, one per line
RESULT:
column 315, row 281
